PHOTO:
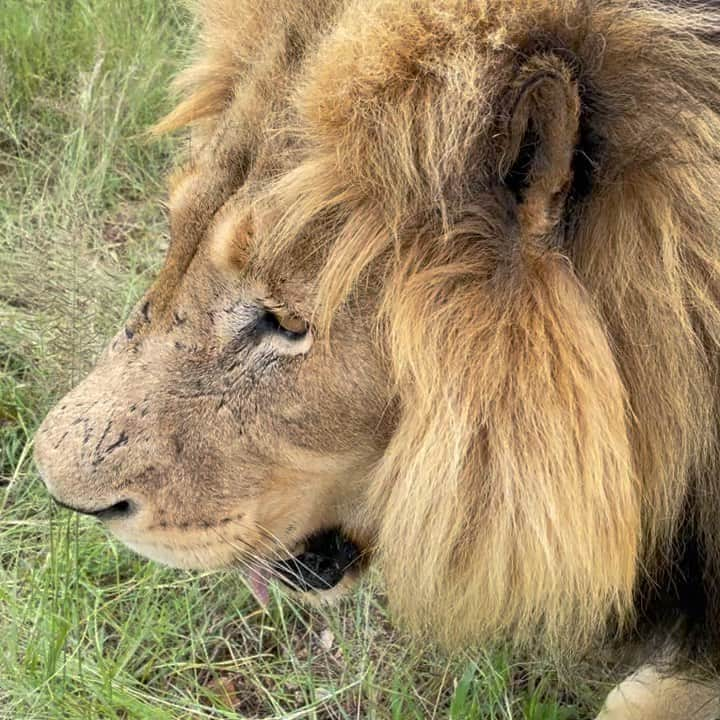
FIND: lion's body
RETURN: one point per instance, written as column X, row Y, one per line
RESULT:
column 503, row 219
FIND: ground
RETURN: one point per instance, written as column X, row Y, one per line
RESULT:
column 87, row 629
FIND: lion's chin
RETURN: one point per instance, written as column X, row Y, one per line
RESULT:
column 324, row 567
column 182, row 558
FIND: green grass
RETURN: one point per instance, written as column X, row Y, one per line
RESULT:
column 88, row 630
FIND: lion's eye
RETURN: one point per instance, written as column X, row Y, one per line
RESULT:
column 283, row 323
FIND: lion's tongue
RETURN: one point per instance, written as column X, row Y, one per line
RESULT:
column 259, row 580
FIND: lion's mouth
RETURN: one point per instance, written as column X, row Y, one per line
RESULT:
column 326, row 558
column 328, row 555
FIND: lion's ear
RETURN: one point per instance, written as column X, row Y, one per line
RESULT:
column 540, row 135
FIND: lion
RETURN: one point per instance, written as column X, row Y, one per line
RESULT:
column 443, row 296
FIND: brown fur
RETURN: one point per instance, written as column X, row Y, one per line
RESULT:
column 502, row 219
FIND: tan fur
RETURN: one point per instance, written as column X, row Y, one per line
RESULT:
column 514, row 383
column 648, row 695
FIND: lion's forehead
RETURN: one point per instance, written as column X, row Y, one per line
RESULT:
column 325, row 123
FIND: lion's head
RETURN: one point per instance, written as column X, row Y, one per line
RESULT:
column 443, row 289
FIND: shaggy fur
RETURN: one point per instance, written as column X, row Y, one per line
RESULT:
column 522, row 198
column 560, row 372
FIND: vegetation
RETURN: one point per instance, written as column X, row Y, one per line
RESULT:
column 87, row 630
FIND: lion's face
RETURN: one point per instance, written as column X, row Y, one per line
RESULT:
column 442, row 283
column 216, row 430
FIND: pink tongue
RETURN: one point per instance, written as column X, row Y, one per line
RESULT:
column 259, row 579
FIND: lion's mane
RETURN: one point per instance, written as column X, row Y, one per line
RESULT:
column 554, row 463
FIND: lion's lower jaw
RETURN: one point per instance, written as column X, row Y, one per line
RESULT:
column 185, row 557
column 204, row 557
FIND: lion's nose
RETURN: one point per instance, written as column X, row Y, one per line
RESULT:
column 117, row 511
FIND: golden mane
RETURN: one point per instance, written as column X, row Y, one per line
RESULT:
column 556, row 370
